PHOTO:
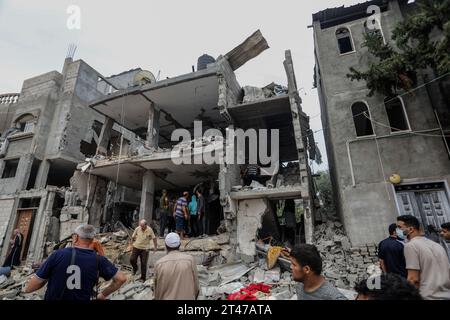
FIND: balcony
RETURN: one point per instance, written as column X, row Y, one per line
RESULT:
column 8, row 98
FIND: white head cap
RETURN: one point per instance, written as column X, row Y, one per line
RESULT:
column 173, row 240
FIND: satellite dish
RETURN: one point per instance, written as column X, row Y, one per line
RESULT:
column 143, row 77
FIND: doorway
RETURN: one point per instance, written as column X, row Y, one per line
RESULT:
column 428, row 202
column 25, row 221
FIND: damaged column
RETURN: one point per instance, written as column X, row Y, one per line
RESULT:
column 300, row 139
column 105, row 136
column 153, row 127
column 42, row 175
column 147, row 196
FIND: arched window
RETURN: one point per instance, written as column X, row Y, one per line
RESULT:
column 396, row 112
column 361, row 118
column 26, row 122
column 344, row 40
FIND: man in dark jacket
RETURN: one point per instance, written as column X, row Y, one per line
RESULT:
column 13, row 258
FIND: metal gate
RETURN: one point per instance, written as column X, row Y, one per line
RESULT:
column 427, row 202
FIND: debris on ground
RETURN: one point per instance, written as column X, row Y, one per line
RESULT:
column 344, row 265
column 221, row 276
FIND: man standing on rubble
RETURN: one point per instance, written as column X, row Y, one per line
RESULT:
column 426, row 261
column 390, row 253
column 13, row 258
column 181, row 214
column 176, row 276
column 163, row 212
column 72, row 273
column 142, row 237
column 203, row 219
column 306, row 266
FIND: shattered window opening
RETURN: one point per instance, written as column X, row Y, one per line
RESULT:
column 396, row 112
column 344, row 39
column 361, row 118
column 10, row 169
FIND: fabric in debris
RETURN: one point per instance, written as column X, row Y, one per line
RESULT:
column 250, row 292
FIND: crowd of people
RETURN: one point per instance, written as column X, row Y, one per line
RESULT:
column 186, row 215
column 413, row 266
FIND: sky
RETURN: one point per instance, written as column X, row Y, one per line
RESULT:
column 165, row 36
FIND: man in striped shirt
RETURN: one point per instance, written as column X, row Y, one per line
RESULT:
column 180, row 213
column 250, row 174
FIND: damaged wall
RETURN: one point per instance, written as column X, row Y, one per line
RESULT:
column 360, row 166
column 249, row 221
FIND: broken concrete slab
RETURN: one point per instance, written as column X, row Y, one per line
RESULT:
column 232, row 271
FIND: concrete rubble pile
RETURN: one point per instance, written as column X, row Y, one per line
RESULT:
column 289, row 175
column 252, row 94
column 220, row 281
column 219, row 273
column 11, row 285
column 342, row 264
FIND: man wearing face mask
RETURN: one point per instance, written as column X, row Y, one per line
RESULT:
column 306, row 266
column 426, row 261
column 390, row 253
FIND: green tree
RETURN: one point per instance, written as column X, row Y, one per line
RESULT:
column 325, row 191
column 392, row 69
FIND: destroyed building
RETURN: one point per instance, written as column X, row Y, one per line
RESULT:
column 80, row 147
column 47, row 129
column 369, row 139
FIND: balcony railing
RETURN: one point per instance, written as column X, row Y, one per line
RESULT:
column 8, row 98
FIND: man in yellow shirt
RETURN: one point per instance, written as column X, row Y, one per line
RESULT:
column 141, row 238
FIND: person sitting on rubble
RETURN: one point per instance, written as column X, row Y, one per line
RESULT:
column 176, row 275
column 72, row 273
column 306, row 266
column 142, row 237
column 251, row 173
column 389, row 286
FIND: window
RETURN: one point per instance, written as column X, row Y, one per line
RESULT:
column 10, row 168
column 344, row 40
column 26, row 123
column 361, row 118
column 28, row 126
column 396, row 113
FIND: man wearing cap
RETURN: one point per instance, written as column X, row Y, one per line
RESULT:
column 72, row 273
column 176, row 275
column 142, row 237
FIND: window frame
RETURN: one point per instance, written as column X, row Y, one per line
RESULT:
column 5, row 167
column 402, row 102
column 351, row 40
column 370, row 116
